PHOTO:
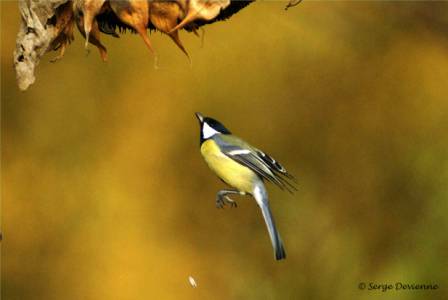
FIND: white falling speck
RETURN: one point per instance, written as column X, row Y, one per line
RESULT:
column 192, row 281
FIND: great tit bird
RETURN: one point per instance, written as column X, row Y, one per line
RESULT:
column 244, row 168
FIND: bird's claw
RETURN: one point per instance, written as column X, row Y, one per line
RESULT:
column 222, row 201
column 231, row 202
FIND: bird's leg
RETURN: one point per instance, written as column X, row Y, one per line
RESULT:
column 222, row 198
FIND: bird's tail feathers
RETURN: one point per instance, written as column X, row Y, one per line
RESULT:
column 277, row 243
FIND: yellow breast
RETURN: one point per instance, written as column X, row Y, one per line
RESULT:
column 233, row 173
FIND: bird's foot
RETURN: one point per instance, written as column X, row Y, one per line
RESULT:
column 222, row 198
column 231, row 202
column 220, row 202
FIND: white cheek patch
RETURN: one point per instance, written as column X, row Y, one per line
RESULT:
column 207, row 131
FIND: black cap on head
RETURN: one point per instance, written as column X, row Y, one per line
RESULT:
column 210, row 127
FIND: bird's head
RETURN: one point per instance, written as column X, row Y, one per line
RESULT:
column 209, row 127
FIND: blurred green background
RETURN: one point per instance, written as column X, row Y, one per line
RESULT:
column 105, row 195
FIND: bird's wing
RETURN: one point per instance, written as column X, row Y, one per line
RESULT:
column 273, row 164
column 234, row 7
column 259, row 162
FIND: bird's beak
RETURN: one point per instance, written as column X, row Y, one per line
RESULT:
column 200, row 117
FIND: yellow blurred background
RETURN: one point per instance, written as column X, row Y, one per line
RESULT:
column 105, row 195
